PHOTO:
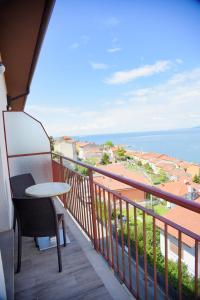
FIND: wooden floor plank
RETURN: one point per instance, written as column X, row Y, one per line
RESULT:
column 39, row 277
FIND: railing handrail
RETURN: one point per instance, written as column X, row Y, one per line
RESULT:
column 153, row 214
column 178, row 200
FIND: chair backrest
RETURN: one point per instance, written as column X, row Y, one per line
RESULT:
column 36, row 216
column 19, row 183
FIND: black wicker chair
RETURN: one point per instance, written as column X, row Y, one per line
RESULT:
column 36, row 217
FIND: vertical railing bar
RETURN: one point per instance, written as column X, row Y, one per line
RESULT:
column 78, row 201
column 136, row 251
column 196, row 269
column 154, row 258
column 106, row 224
column 72, row 194
column 83, row 219
column 166, row 262
column 129, row 246
column 122, row 239
column 67, row 195
column 97, row 211
column 116, row 235
column 110, row 230
column 61, row 177
column 94, row 218
column 145, row 257
column 75, row 197
column 89, row 206
column 102, row 226
column 83, row 216
column 179, row 266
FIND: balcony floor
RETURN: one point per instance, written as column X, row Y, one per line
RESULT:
column 39, row 277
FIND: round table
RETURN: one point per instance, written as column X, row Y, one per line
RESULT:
column 47, row 189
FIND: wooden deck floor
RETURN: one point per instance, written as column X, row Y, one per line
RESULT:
column 39, row 277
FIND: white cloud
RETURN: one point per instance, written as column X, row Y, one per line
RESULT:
column 98, row 66
column 110, row 22
column 49, row 109
column 116, row 49
column 173, row 104
column 122, row 77
column 74, row 45
column 179, row 61
column 114, row 40
column 85, row 39
column 120, row 102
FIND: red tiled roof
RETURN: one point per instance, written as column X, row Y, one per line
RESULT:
column 179, row 215
column 122, row 171
column 82, row 144
column 184, row 218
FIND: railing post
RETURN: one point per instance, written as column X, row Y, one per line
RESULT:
column 62, row 180
column 94, row 219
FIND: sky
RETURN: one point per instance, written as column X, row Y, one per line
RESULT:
column 118, row 66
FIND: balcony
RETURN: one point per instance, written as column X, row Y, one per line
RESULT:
column 120, row 248
column 116, row 241
column 84, row 275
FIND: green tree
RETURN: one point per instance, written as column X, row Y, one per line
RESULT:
column 52, row 142
column 82, row 170
column 121, row 153
column 196, row 178
column 139, row 163
column 148, row 168
column 163, row 176
column 109, row 144
column 105, row 159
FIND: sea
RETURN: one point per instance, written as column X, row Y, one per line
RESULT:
column 183, row 144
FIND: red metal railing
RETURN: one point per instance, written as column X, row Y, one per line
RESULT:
column 128, row 235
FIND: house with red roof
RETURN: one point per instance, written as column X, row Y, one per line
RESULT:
column 186, row 219
column 119, row 187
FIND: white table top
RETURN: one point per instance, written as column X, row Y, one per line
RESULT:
column 47, row 189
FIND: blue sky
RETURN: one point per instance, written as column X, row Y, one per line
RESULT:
column 118, row 66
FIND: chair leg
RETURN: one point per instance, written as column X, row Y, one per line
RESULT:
column 14, row 221
column 59, row 252
column 64, row 234
column 36, row 242
column 19, row 251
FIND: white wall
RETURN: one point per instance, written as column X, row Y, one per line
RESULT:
column 188, row 254
column 5, row 195
column 25, row 135
column 67, row 149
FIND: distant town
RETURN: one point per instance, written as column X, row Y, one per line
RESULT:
column 167, row 173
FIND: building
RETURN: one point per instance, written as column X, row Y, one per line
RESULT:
column 119, row 187
column 186, row 219
column 66, row 146
column 182, row 188
column 87, row 151
column 193, row 170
